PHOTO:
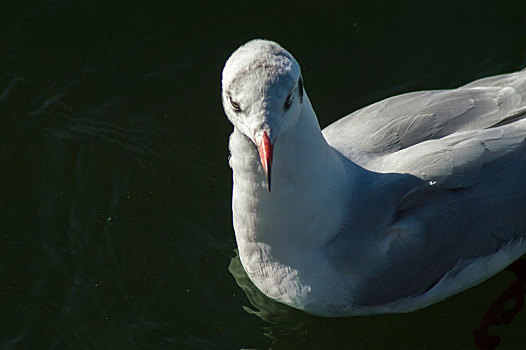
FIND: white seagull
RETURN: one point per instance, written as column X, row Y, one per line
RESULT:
column 390, row 209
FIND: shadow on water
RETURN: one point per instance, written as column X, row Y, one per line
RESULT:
column 447, row 325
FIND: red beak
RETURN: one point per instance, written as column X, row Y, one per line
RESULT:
column 265, row 155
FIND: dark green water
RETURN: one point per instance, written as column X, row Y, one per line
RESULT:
column 115, row 219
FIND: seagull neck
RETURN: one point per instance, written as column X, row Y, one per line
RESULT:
column 302, row 157
column 304, row 208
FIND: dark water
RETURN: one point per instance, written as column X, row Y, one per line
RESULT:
column 115, row 221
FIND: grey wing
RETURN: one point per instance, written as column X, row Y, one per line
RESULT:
column 406, row 120
column 462, row 159
column 471, row 205
column 469, row 146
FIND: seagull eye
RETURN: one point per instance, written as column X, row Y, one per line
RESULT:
column 288, row 101
column 235, row 105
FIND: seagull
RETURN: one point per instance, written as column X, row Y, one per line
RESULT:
column 390, row 209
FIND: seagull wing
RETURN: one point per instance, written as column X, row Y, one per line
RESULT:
column 406, row 120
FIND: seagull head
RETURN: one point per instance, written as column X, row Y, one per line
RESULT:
column 262, row 92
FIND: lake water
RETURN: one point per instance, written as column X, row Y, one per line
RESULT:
column 115, row 218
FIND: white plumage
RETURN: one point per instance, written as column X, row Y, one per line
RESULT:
column 391, row 208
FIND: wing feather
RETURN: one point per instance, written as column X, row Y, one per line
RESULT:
column 403, row 121
column 461, row 159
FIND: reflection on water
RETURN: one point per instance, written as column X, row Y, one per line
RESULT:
column 447, row 325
